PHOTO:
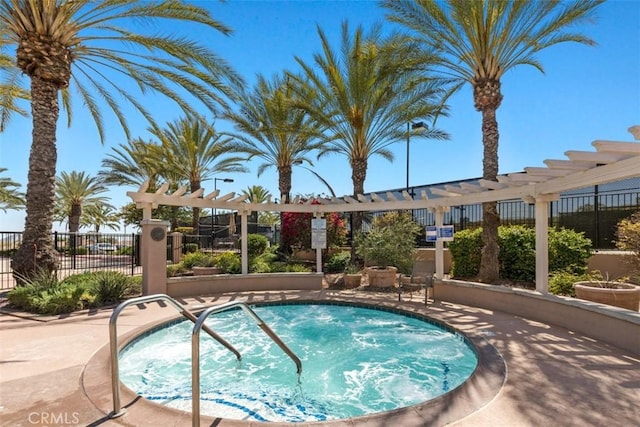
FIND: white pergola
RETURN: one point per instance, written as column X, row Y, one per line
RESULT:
column 611, row 161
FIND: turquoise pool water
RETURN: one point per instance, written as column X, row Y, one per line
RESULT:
column 355, row 361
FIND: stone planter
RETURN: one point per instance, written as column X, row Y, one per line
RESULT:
column 625, row 295
column 382, row 277
column 205, row 271
column 352, row 281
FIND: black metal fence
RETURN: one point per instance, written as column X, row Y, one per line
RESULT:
column 78, row 252
column 595, row 211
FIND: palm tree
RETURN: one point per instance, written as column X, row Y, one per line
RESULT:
column 480, row 40
column 274, row 130
column 132, row 164
column 10, row 197
column 259, row 194
column 137, row 162
column 256, row 194
column 364, row 95
column 193, row 150
column 99, row 215
column 75, row 190
column 10, row 91
column 94, row 47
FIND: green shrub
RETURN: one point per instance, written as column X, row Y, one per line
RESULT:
column 21, row 297
column 135, row 288
column 390, row 242
column 176, row 269
column 198, row 259
column 628, row 239
column 259, row 265
column 338, row 262
column 109, row 287
column 561, row 282
column 191, row 248
column 256, row 244
column 80, row 278
column 297, row 268
column 61, row 299
column 465, row 252
column 279, row 267
column 228, row 262
column 45, row 294
column 517, row 253
column 569, row 251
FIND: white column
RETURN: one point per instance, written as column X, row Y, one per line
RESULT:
column 318, row 249
column 542, row 240
column 439, row 217
column 542, row 246
column 244, row 255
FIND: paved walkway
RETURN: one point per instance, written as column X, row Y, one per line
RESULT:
column 553, row 376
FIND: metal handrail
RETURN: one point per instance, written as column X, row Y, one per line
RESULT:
column 113, row 341
column 195, row 351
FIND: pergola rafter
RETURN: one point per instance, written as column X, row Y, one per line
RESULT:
column 612, row 161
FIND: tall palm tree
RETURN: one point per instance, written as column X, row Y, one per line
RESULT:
column 99, row 215
column 10, row 91
column 75, row 190
column 480, row 40
column 363, row 95
column 10, row 197
column 132, row 164
column 256, row 194
column 259, row 194
column 140, row 161
column 271, row 128
column 193, row 150
column 94, row 47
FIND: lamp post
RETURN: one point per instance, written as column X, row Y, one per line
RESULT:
column 214, row 217
column 412, row 126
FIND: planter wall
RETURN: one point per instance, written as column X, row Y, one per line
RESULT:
column 612, row 325
column 382, row 277
column 179, row 287
column 352, row 281
column 627, row 296
column 205, row 271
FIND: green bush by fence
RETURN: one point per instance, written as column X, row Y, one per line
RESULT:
column 568, row 251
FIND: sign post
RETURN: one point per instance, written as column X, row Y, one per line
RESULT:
column 318, row 239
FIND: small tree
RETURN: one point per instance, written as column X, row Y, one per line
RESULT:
column 391, row 241
column 628, row 234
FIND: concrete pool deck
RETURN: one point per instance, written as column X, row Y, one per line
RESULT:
column 554, row 376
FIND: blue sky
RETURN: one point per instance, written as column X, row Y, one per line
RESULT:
column 586, row 93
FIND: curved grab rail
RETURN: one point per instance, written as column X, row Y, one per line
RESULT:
column 113, row 341
column 195, row 351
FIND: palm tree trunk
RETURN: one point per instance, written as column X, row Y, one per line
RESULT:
column 284, row 185
column 74, row 218
column 358, row 176
column 489, row 264
column 36, row 252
